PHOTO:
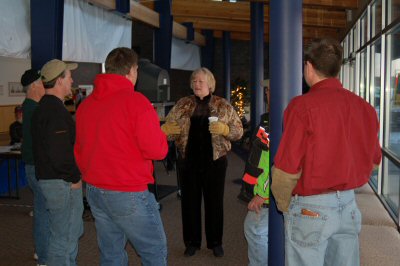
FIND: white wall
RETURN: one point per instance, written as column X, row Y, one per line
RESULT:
column 11, row 70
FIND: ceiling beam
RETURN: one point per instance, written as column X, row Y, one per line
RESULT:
column 106, row 4
column 144, row 14
column 320, row 17
column 244, row 26
column 150, row 17
column 337, row 4
column 309, row 33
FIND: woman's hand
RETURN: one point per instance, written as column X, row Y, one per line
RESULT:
column 171, row 128
column 219, row 128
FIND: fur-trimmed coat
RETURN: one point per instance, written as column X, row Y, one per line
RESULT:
column 183, row 110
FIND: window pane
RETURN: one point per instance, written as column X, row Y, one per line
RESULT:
column 374, row 178
column 345, row 47
column 363, row 74
column 376, row 16
column 393, row 10
column 354, row 40
column 391, row 186
column 375, row 85
column 364, row 29
column 394, row 92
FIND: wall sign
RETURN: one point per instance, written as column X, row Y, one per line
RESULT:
column 15, row 89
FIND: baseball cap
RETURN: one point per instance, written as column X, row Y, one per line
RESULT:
column 18, row 109
column 54, row 68
column 29, row 77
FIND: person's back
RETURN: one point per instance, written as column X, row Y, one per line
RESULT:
column 329, row 147
column 341, row 136
column 33, row 86
column 121, row 135
column 118, row 136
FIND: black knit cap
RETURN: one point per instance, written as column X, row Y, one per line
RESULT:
column 30, row 76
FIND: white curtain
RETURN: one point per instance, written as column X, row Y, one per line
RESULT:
column 185, row 56
column 15, row 29
column 90, row 32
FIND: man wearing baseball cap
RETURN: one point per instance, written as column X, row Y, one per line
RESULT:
column 33, row 87
column 53, row 136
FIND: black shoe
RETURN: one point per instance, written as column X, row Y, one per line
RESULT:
column 190, row 251
column 218, row 251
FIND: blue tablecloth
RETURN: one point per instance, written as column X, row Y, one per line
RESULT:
column 4, row 175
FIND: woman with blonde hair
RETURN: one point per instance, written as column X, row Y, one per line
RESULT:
column 202, row 162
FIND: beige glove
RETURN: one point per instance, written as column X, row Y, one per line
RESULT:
column 282, row 186
column 171, row 128
column 219, row 128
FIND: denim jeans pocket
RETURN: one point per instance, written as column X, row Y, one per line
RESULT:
column 356, row 218
column 121, row 204
column 56, row 193
column 306, row 230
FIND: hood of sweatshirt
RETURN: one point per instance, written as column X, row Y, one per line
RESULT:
column 108, row 84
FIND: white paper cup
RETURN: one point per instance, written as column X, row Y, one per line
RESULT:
column 212, row 119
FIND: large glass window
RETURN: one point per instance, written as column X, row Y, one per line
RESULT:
column 352, row 79
column 393, row 10
column 393, row 48
column 375, row 74
column 391, row 186
column 363, row 74
column 345, row 47
column 374, row 178
column 375, row 87
column 354, row 39
column 376, row 17
column 364, row 29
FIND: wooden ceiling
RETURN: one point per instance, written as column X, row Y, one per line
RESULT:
column 321, row 18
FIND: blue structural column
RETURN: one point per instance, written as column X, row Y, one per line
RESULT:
column 123, row 6
column 46, row 31
column 207, row 51
column 163, row 35
column 257, row 63
column 285, row 53
column 226, row 36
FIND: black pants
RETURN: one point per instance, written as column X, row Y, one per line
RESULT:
column 207, row 181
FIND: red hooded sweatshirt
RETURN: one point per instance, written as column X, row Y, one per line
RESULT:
column 117, row 136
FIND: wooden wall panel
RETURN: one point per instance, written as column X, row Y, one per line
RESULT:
column 7, row 117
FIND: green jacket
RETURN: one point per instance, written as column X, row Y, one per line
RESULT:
column 257, row 170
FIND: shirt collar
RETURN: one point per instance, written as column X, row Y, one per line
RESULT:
column 326, row 84
column 206, row 99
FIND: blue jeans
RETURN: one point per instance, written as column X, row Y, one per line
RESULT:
column 65, row 206
column 256, row 233
column 122, row 216
column 323, row 230
column 41, row 229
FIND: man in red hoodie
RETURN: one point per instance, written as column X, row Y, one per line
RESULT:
column 118, row 136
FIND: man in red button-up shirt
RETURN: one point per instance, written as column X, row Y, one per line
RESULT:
column 329, row 147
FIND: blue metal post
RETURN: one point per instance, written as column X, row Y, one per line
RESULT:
column 226, row 36
column 123, row 6
column 207, row 52
column 46, row 31
column 163, row 35
column 257, row 63
column 285, row 53
column 189, row 31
